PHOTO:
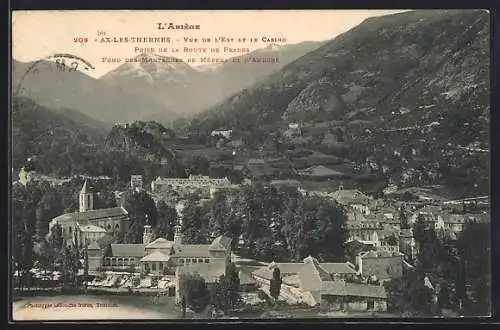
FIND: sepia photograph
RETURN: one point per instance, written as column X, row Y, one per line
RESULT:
column 250, row 165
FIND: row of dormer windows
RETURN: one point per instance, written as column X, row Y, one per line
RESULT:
column 187, row 261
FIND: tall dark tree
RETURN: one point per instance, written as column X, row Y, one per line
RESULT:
column 194, row 290
column 315, row 226
column 51, row 250
column 104, row 199
column 167, row 219
column 134, row 233
column 194, row 223
column 275, row 286
column 409, row 296
column 225, row 295
column 475, row 253
column 403, row 217
column 71, row 265
column 227, row 212
column 27, row 258
column 140, row 207
column 200, row 165
column 85, row 262
column 48, row 207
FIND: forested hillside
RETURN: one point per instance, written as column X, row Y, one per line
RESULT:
column 408, row 94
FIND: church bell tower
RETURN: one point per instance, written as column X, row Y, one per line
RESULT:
column 147, row 235
column 177, row 235
column 86, row 201
column 178, row 228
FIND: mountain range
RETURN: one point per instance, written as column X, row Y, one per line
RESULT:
column 407, row 95
column 152, row 87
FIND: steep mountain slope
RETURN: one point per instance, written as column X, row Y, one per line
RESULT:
column 408, row 92
column 53, row 143
column 58, row 89
column 50, row 135
column 233, row 76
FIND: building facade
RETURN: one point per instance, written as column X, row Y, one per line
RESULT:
column 204, row 184
column 86, row 222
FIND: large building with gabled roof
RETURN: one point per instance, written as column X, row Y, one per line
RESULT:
column 88, row 224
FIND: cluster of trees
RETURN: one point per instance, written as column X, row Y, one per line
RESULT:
column 223, row 296
column 141, row 209
column 458, row 271
column 269, row 224
column 33, row 207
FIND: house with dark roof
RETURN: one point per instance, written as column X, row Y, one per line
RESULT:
column 336, row 269
column 372, row 229
column 124, row 256
column 269, row 168
column 285, row 184
column 354, row 199
column 321, row 172
column 342, row 295
column 160, row 244
column 218, row 252
column 156, row 263
column 380, row 265
column 456, row 222
column 318, row 283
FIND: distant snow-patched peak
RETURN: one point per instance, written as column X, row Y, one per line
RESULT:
column 209, row 67
column 273, row 47
column 150, row 66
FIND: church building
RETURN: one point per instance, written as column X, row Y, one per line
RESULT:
column 89, row 225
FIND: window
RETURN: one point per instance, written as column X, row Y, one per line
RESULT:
column 160, row 266
column 200, row 261
column 181, row 261
column 207, row 261
column 188, row 261
column 70, row 230
column 88, row 204
column 370, row 305
column 193, row 260
column 153, row 266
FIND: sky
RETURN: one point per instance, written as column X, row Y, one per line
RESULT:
column 38, row 34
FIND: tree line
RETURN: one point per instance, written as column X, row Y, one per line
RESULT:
column 450, row 273
column 33, row 207
column 263, row 222
column 267, row 223
column 222, row 296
